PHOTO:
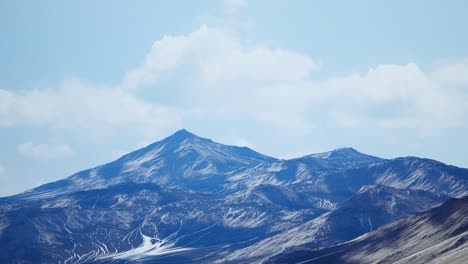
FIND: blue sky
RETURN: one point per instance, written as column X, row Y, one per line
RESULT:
column 84, row 82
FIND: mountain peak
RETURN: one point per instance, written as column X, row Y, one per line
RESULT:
column 337, row 152
column 345, row 150
column 344, row 157
column 183, row 134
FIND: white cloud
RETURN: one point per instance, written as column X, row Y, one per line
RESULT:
column 381, row 84
column 213, row 56
column 211, row 76
column 227, row 78
column 394, row 96
column 2, row 169
column 230, row 80
column 455, row 73
column 89, row 109
column 44, row 151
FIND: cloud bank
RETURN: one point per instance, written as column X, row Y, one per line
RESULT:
column 86, row 108
column 214, row 77
column 280, row 87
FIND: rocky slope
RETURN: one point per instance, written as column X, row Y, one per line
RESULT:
column 187, row 199
column 436, row 236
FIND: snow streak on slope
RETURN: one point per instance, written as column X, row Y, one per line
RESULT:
column 150, row 247
column 372, row 207
column 187, row 199
column 435, row 236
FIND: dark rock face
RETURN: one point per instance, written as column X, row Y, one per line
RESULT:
column 187, row 199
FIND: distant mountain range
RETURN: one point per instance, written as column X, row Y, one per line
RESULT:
column 187, row 199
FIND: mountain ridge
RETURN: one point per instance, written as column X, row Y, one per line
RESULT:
column 434, row 236
column 189, row 161
column 361, row 213
column 188, row 199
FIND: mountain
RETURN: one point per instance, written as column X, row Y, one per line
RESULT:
column 343, row 158
column 422, row 174
column 370, row 208
column 182, row 160
column 311, row 170
column 187, row 199
column 323, row 174
column 405, row 173
column 133, row 221
column 281, row 195
column 435, row 236
column 185, row 160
